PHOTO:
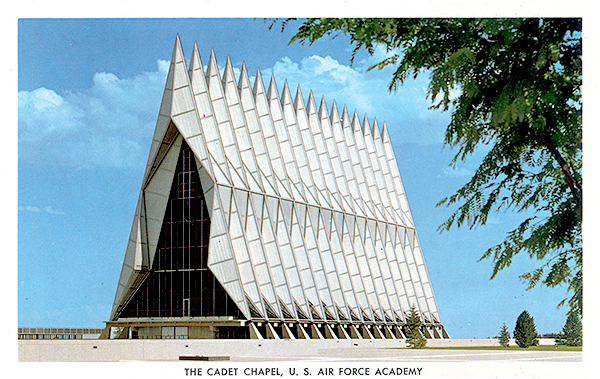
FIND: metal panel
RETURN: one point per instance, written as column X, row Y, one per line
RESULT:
column 205, row 113
column 389, row 152
column 323, row 170
column 384, row 195
column 283, row 139
column 267, row 128
column 128, row 262
column 224, row 124
column 387, row 174
column 367, row 170
column 240, row 130
column 303, row 145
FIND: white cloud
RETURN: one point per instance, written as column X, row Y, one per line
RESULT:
column 29, row 208
column 43, row 113
column 50, row 210
column 47, row 209
column 104, row 125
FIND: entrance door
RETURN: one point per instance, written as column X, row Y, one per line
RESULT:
column 186, row 307
column 168, row 332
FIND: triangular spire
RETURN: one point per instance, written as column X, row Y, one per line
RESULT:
column 157, row 151
column 272, row 93
column 375, row 131
column 299, row 101
column 213, row 67
column 322, row 108
column 286, row 96
column 355, row 122
column 334, row 112
column 243, row 80
column 385, row 136
column 204, row 111
column 345, row 117
column 259, row 85
column 311, row 106
column 224, row 128
column 198, row 79
column 228, row 75
column 195, row 62
column 365, row 127
column 177, row 51
column 179, row 65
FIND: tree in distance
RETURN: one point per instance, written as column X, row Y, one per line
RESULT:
column 519, row 86
column 525, row 334
column 572, row 332
column 504, row 339
column 414, row 338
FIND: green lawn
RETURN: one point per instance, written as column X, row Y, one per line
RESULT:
column 532, row 348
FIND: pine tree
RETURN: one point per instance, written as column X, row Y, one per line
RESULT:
column 525, row 333
column 414, row 338
column 572, row 332
column 504, row 336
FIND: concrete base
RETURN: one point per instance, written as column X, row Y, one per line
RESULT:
column 171, row 350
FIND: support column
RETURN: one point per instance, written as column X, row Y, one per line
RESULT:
column 105, row 333
column 287, row 333
column 425, row 333
column 366, row 332
column 398, row 332
column 315, row 333
column 388, row 333
column 123, row 334
column 377, row 332
column 271, row 333
column 342, row 332
column 329, row 333
column 254, row 333
column 302, row 334
column 444, row 334
column 354, row 333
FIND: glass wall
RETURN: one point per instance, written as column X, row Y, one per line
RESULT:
column 180, row 283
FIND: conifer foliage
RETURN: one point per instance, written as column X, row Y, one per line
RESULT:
column 519, row 84
column 504, row 336
column 525, row 334
column 414, row 338
column 572, row 332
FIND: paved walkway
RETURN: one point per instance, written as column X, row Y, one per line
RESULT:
column 426, row 355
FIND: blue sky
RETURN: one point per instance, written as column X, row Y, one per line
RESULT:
column 89, row 91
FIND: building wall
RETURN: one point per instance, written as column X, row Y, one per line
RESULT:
column 171, row 350
column 202, row 332
column 32, row 333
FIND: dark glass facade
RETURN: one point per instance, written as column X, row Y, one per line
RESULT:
column 180, row 283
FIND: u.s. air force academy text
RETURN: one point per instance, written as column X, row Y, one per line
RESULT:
column 304, row 371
